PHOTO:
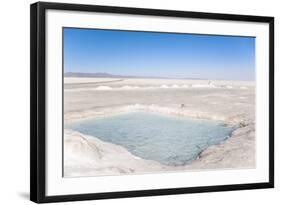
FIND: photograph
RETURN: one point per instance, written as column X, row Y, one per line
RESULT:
column 145, row 102
column 136, row 102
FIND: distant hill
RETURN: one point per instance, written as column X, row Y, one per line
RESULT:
column 104, row 75
column 107, row 75
column 92, row 75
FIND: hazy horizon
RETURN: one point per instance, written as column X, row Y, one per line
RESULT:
column 149, row 77
column 159, row 55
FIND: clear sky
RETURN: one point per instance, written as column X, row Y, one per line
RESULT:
column 159, row 54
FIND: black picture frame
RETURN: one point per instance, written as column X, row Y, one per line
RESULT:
column 38, row 101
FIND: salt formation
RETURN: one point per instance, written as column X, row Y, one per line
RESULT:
column 232, row 102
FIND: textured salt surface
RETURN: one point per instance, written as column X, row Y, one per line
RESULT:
column 171, row 141
column 233, row 103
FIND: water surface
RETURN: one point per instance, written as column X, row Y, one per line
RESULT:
column 169, row 140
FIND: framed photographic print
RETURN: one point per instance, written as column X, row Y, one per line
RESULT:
column 129, row 102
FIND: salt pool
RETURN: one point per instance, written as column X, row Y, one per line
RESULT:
column 169, row 140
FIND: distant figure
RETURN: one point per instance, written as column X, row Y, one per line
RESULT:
column 209, row 83
column 182, row 105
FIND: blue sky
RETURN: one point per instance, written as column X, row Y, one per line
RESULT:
column 159, row 54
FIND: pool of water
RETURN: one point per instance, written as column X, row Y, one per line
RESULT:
column 169, row 140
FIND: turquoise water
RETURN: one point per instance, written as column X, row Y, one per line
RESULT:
column 169, row 140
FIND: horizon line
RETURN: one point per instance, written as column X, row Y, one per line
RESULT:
column 109, row 75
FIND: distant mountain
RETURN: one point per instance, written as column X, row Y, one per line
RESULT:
column 103, row 75
column 92, row 75
column 107, row 75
